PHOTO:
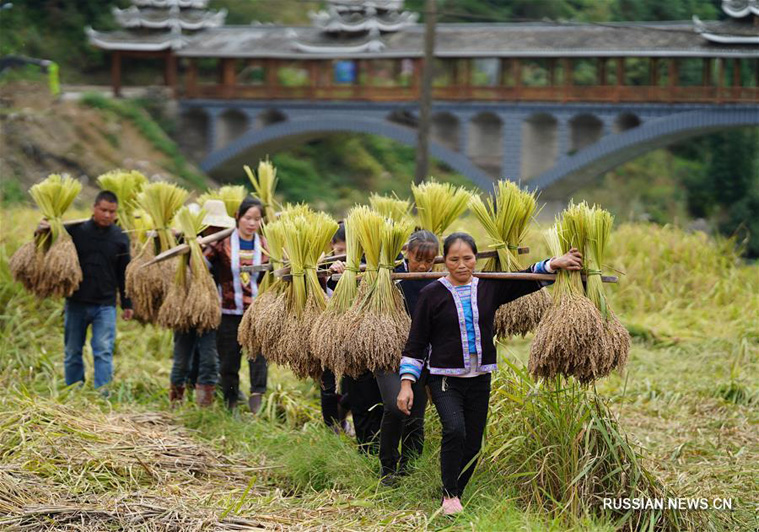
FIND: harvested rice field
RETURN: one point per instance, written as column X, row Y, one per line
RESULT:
column 687, row 404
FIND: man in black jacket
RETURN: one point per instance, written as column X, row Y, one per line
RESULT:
column 103, row 250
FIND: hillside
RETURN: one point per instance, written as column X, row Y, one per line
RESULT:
column 40, row 135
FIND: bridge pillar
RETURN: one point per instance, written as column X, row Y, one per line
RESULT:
column 252, row 116
column 608, row 124
column 465, row 123
column 511, row 164
column 562, row 136
column 212, row 134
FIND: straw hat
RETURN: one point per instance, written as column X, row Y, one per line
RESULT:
column 216, row 214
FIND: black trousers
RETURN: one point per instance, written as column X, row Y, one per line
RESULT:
column 365, row 401
column 330, row 399
column 397, row 427
column 462, row 405
column 230, row 354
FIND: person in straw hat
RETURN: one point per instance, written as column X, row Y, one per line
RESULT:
column 244, row 247
column 196, row 360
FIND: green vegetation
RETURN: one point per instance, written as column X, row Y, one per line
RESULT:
column 131, row 111
column 686, row 408
column 344, row 169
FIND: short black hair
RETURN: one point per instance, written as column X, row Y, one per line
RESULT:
column 339, row 235
column 422, row 243
column 455, row 237
column 106, row 195
column 248, row 203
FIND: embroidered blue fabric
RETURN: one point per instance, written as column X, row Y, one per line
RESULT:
column 465, row 293
column 247, row 244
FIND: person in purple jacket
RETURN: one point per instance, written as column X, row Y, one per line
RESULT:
column 454, row 316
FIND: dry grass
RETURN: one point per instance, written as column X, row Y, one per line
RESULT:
column 66, row 469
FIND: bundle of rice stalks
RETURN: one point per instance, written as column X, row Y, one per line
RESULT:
column 571, row 339
column 142, row 226
column 126, row 184
column 599, row 223
column 49, row 266
column 267, row 310
column 148, row 286
column 231, row 195
column 391, row 207
column 438, row 205
column 506, row 221
column 264, row 186
column 307, row 238
column 377, row 324
column 327, row 340
column 192, row 302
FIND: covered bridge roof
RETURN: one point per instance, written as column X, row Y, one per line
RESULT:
column 651, row 39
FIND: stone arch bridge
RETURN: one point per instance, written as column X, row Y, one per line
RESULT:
column 554, row 147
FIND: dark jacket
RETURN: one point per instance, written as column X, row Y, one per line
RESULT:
column 410, row 288
column 103, row 256
column 436, row 322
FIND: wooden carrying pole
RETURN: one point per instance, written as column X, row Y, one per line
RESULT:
column 511, row 276
column 505, row 276
column 185, row 248
column 286, row 270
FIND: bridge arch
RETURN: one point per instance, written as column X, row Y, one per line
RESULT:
column 625, row 122
column 230, row 125
column 585, row 129
column 279, row 135
column 444, row 128
column 268, row 117
column 613, row 150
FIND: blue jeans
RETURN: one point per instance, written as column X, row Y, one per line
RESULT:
column 78, row 317
column 185, row 344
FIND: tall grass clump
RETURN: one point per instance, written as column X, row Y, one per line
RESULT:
column 438, row 205
column 192, row 302
column 580, row 336
column 306, row 239
column 506, row 219
column 48, row 266
column 564, row 451
column 231, row 195
column 328, row 338
column 571, row 339
column 264, row 186
column 599, row 223
column 126, row 184
column 391, row 207
column 376, row 326
column 684, row 285
column 148, row 286
column 267, row 309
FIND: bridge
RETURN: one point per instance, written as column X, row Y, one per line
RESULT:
column 540, row 143
column 547, row 104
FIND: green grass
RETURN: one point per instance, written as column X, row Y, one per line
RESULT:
column 685, row 414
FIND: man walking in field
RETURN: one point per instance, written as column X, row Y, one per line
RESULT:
column 103, row 250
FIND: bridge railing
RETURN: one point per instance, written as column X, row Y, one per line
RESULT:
column 573, row 93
